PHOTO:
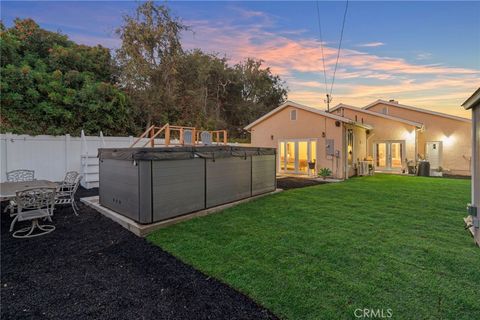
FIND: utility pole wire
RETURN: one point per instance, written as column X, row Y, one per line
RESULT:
column 329, row 95
column 339, row 46
column 321, row 46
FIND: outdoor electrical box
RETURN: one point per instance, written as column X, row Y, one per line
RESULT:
column 330, row 147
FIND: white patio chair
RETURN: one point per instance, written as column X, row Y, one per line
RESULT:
column 69, row 179
column 19, row 175
column 67, row 190
column 34, row 204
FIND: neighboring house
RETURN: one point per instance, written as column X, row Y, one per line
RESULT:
column 387, row 134
column 473, row 103
column 305, row 135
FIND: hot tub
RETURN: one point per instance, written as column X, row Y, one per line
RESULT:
column 149, row 185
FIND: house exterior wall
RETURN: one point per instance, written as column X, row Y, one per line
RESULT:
column 359, row 147
column 384, row 130
column 476, row 165
column 308, row 125
column 455, row 136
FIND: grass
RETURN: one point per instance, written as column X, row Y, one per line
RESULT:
column 381, row 242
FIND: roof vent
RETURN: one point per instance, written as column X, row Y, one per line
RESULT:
column 393, row 101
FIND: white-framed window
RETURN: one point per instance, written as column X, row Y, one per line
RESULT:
column 385, row 110
column 293, row 114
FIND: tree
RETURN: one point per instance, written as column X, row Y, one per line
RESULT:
column 213, row 94
column 148, row 60
column 255, row 91
column 50, row 85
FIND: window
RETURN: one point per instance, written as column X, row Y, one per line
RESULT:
column 293, row 115
column 385, row 110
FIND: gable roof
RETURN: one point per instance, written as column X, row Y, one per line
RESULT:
column 289, row 103
column 435, row 113
column 378, row 114
column 473, row 100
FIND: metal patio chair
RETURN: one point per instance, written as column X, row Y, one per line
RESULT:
column 19, row 175
column 34, row 204
column 69, row 179
column 67, row 190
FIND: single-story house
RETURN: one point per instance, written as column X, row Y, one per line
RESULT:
column 473, row 103
column 386, row 134
column 305, row 135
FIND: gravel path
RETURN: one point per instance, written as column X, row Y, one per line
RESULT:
column 91, row 268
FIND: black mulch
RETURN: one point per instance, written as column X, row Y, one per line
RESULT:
column 91, row 268
column 286, row 183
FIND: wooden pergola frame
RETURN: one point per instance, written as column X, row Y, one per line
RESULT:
column 153, row 132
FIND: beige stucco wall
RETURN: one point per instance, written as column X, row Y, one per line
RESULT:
column 384, row 130
column 359, row 146
column 454, row 134
column 308, row 125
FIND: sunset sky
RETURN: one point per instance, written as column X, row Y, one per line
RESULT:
column 425, row 54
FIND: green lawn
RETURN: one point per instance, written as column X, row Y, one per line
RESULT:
column 381, row 242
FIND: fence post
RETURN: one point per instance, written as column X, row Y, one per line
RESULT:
column 67, row 152
column 8, row 136
column 84, row 143
column 102, row 140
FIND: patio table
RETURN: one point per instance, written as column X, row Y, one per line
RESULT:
column 8, row 189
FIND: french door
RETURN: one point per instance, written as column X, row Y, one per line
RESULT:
column 389, row 155
column 297, row 155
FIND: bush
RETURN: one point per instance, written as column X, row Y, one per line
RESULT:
column 325, row 172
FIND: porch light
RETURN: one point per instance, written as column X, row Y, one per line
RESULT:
column 448, row 140
column 409, row 135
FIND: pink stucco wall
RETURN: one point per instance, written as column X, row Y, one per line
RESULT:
column 455, row 136
column 308, row 125
column 384, row 130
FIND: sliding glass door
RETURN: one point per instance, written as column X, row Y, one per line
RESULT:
column 389, row 155
column 297, row 156
column 290, row 164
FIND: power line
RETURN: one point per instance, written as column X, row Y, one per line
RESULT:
column 339, row 46
column 321, row 46
column 328, row 95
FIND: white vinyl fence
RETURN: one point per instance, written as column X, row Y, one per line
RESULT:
column 52, row 156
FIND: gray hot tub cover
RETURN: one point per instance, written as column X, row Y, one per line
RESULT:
column 181, row 153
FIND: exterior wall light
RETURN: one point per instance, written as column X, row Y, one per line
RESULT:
column 409, row 135
column 448, row 140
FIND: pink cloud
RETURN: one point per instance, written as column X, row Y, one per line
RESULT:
column 425, row 85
